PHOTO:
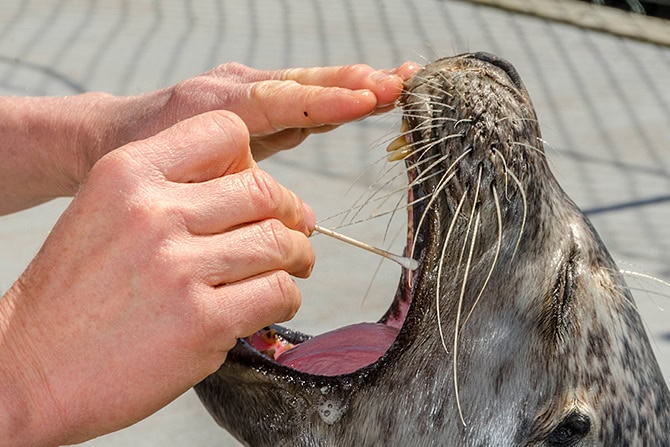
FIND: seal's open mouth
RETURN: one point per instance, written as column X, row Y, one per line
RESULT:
column 425, row 118
column 352, row 347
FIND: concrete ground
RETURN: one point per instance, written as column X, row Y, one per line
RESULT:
column 602, row 100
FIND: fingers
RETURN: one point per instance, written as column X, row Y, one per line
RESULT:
column 252, row 250
column 197, row 149
column 351, row 77
column 406, row 70
column 280, row 108
column 263, row 147
column 272, row 106
column 272, row 101
column 246, row 197
column 385, row 85
column 269, row 298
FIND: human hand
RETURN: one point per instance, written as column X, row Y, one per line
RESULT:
column 280, row 108
column 175, row 246
column 48, row 145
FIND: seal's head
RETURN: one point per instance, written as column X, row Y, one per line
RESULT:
column 517, row 328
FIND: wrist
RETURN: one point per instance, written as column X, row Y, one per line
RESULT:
column 114, row 121
column 27, row 414
column 47, row 145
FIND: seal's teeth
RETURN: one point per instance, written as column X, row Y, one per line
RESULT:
column 400, row 147
column 400, row 154
column 404, row 126
column 397, row 144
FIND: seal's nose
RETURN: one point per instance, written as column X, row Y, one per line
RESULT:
column 500, row 63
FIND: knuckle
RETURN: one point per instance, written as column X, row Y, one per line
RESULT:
column 267, row 95
column 270, row 87
column 116, row 165
column 262, row 90
column 230, row 68
column 288, row 250
column 358, row 70
column 230, row 125
column 306, row 260
column 172, row 265
column 259, row 90
column 263, row 190
column 156, row 220
column 262, row 95
column 278, row 237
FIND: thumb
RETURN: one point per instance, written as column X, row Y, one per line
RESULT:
column 198, row 149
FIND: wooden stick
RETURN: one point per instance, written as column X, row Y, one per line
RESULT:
column 408, row 263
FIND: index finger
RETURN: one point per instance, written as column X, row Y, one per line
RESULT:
column 384, row 84
column 313, row 97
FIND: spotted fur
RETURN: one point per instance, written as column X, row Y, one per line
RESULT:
column 521, row 330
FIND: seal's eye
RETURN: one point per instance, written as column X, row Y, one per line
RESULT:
column 571, row 429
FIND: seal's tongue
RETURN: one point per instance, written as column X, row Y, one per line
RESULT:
column 341, row 351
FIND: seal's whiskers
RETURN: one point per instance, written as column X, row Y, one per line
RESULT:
column 421, row 148
column 452, row 225
column 473, row 226
column 495, row 256
column 531, row 147
column 645, row 276
column 351, row 219
column 648, row 277
column 359, row 205
column 374, row 216
column 525, row 211
column 448, row 175
column 507, row 172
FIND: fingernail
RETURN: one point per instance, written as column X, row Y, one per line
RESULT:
column 380, row 76
column 407, row 70
column 310, row 218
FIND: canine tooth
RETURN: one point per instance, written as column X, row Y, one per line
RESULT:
column 400, row 154
column 396, row 144
column 400, row 147
column 401, row 140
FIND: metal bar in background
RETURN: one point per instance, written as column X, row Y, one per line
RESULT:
column 591, row 16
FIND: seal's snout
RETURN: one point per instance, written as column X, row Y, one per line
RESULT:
column 470, row 126
column 501, row 63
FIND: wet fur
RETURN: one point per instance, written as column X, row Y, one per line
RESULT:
column 521, row 331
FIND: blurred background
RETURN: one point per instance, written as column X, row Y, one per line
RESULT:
column 598, row 77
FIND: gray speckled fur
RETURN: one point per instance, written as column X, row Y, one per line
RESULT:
column 555, row 339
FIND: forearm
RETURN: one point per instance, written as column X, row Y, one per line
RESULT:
column 48, row 144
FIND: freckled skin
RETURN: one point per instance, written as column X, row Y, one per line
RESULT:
column 553, row 352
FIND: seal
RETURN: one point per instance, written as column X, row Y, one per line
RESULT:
column 517, row 329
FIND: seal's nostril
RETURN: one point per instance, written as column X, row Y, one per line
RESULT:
column 500, row 63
